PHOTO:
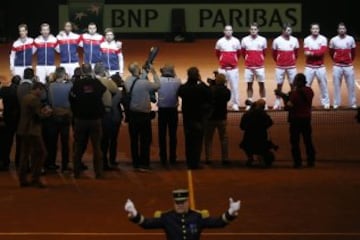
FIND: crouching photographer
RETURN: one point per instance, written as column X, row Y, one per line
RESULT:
column 138, row 87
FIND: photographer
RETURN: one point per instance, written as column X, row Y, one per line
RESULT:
column 255, row 124
column 138, row 86
column 220, row 97
column 299, row 103
column 196, row 99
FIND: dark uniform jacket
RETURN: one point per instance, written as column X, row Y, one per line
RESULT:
column 183, row 226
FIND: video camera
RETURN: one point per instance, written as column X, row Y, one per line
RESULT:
column 149, row 61
column 211, row 81
column 284, row 96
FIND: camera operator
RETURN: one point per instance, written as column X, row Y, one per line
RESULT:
column 196, row 102
column 220, row 97
column 138, row 86
column 299, row 103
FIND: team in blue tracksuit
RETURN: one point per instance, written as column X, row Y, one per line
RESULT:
column 21, row 52
column 68, row 43
column 45, row 46
column 91, row 45
column 112, row 56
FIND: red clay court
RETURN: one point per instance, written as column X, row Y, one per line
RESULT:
column 280, row 203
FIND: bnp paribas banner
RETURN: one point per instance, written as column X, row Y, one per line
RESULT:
column 207, row 18
column 83, row 12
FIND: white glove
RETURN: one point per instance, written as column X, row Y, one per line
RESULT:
column 130, row 208
column 233, row 207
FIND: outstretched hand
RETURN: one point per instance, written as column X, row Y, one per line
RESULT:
column 130, row 208
column 234, row 207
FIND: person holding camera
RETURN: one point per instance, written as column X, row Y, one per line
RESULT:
column 255, row 124
column 196, row 108
column 299, row 103
column 139, row 88
column 220, row 97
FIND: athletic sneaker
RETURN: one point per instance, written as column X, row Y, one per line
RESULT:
column 235, row 107
column 277, row 104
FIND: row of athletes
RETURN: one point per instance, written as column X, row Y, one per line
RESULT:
column 96, row 47
column 285, row 53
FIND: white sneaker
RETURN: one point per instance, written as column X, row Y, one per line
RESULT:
column 335, row 107
column 266, row 107
column 354, row 106
column 247, row 108
column 327, row 106
column 277, row 105
column 235, row 107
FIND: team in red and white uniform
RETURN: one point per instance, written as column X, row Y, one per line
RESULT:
column 253, row 49
column 45, row 47
column 342, row 51
column 315, row 47
column 285, row 53
column 21, row 52
column 228, row 51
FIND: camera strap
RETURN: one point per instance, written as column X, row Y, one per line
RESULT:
column 132, row 86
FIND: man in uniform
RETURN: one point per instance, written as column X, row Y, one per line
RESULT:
column 228, row 50
column 21, row 52
column 342, row 51
column 253, row 49
column 182, row 222
column 285, row 52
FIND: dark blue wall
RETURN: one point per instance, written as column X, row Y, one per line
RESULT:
column 327, row 14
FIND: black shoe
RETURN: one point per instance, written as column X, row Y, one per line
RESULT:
column 114, row 163
column 225, row 162
column 25, row 184
column 249, row 163
column 297, row 165
column 52, row 167
column 107, row 168
column 83, row 167
column 310, row 164
column 38, row 184
column 65, row 169
column 208, row 162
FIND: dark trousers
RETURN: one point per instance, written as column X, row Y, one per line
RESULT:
column 167, row 126
column 110, row 131
column 83, row 130
column 194, row 133
column 6, row 142
column 302, row 127
column 58, row 126
column 140, row 138
column 32, row 147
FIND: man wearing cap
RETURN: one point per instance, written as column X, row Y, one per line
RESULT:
column 182, row 222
